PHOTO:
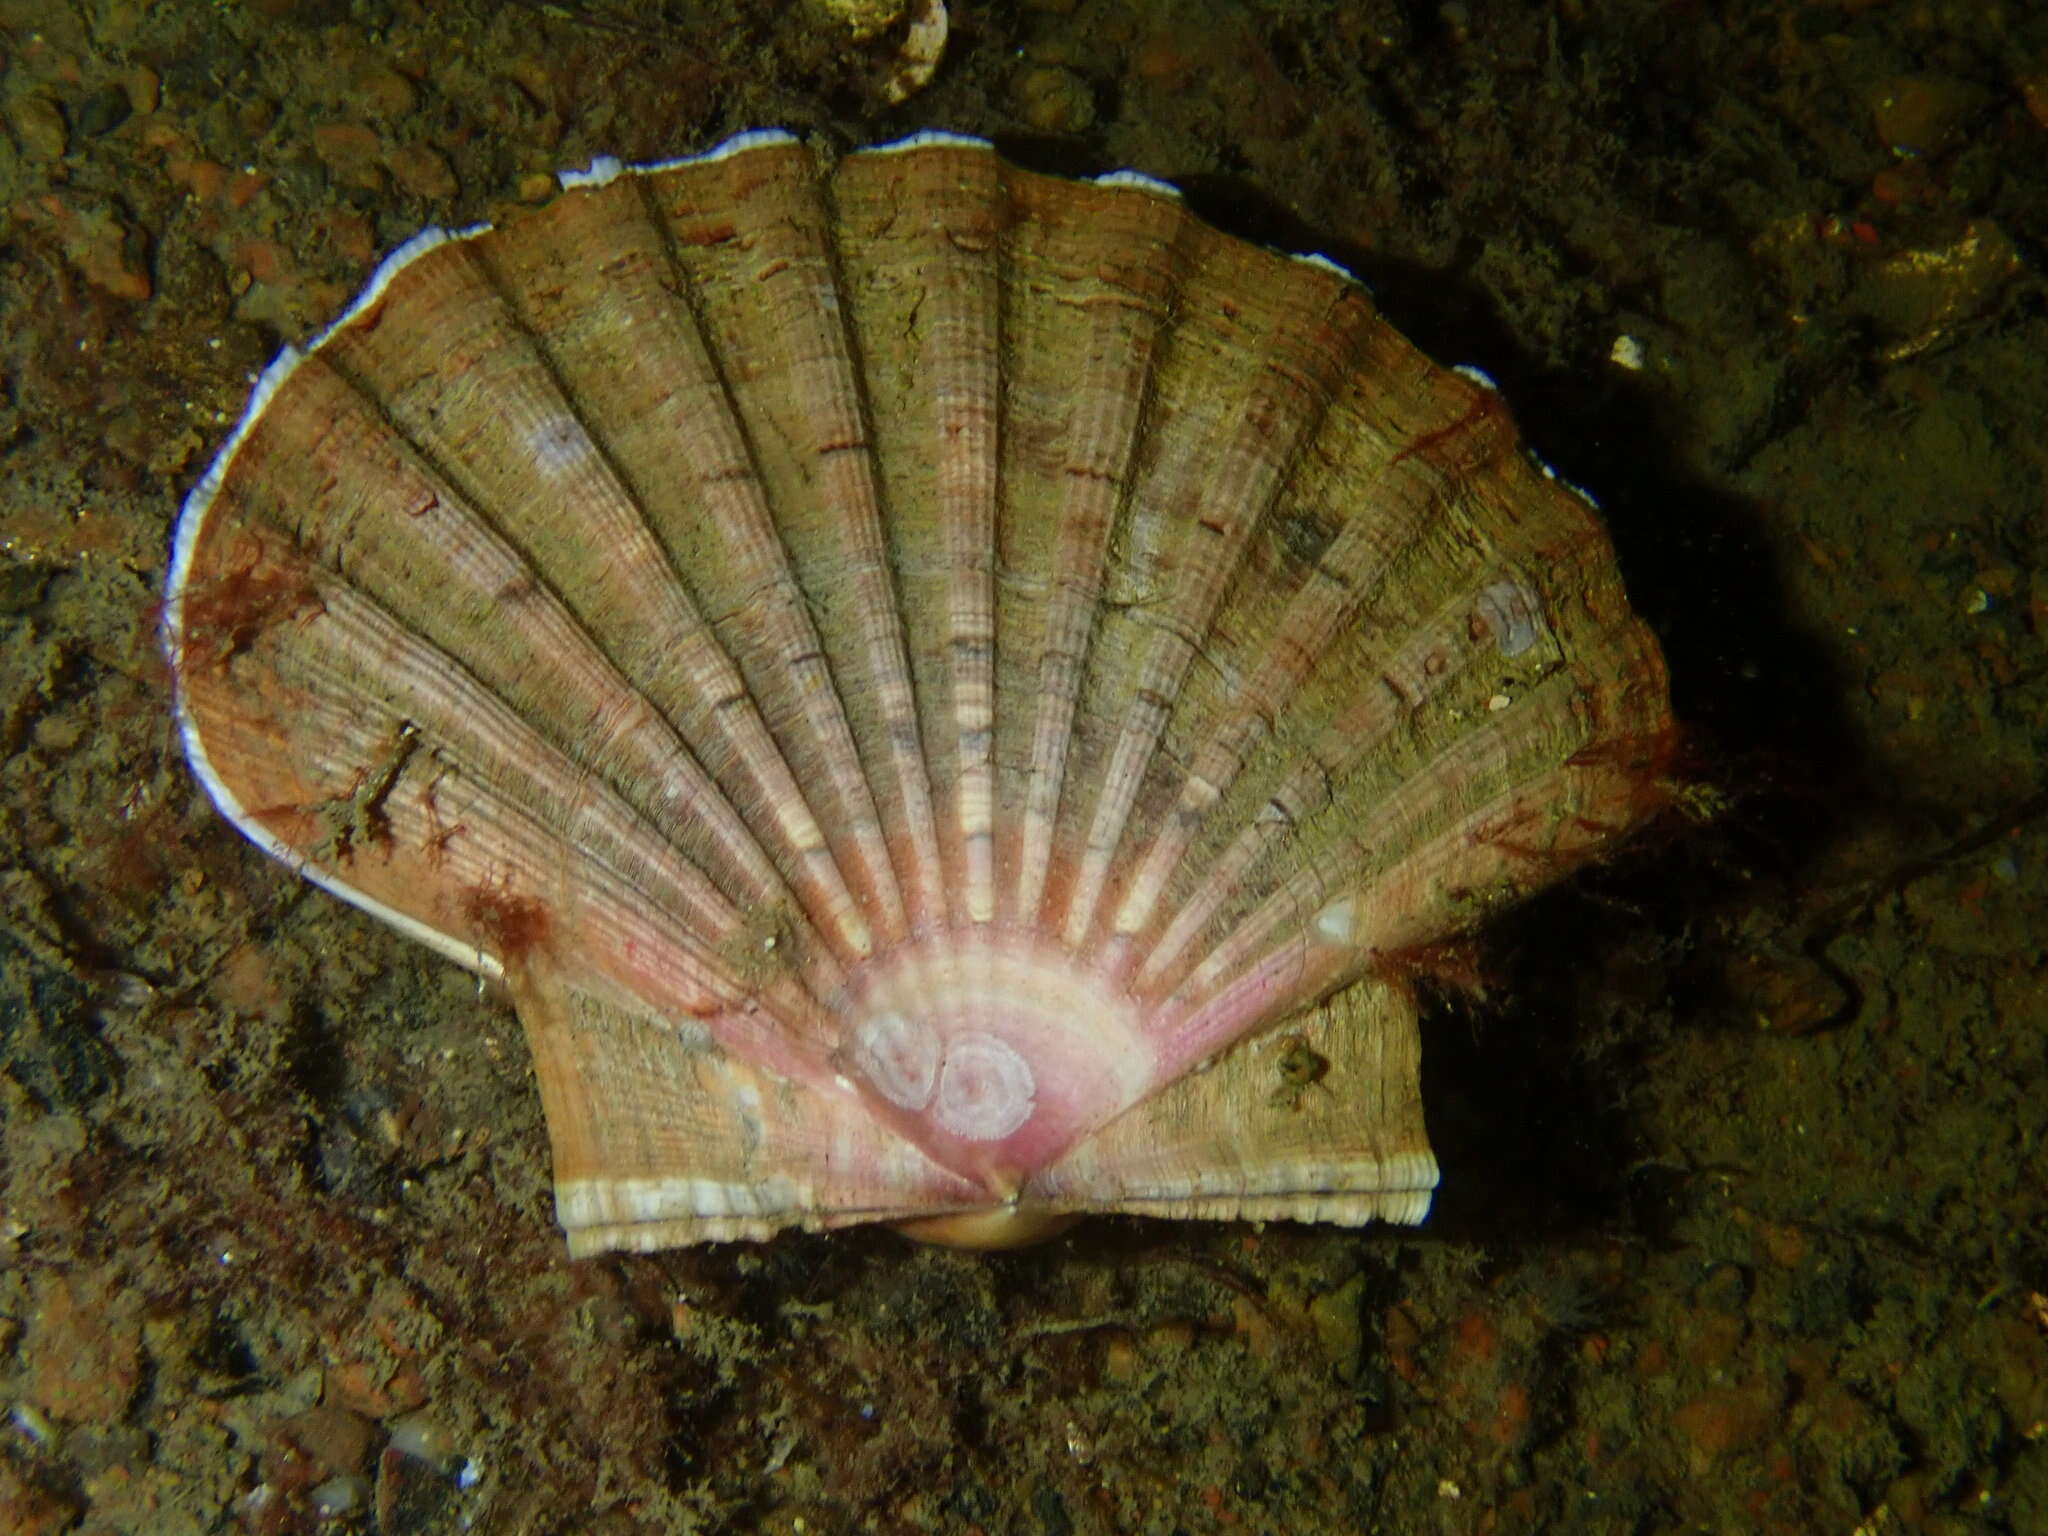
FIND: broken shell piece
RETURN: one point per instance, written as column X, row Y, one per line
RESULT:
column 924, row 44
column 863, row 18
column 924, row 38
column 901, row 667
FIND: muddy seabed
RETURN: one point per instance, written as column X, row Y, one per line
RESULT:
column 1743, row 1224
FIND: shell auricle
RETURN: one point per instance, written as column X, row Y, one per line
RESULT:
column 948, row 695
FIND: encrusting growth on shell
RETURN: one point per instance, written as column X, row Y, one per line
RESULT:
column 910, row 672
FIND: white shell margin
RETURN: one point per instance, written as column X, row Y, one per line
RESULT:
column 1141, row 181
column 1329, row 264
column 605, row 169
column 929, row 138
column 1485, row 381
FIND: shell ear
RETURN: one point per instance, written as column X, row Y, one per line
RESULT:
column 1320, row 1120
column 661, row 1137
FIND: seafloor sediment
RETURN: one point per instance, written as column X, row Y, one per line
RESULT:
column 1742, row 1225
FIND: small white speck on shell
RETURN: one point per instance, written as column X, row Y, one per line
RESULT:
column 1513, row 614
column 1335, row 922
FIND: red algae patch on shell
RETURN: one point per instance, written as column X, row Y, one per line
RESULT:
column 937, row 687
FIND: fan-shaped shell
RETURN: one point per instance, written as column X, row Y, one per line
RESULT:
column 912, row 672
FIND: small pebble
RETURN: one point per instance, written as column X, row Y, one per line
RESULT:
column 1055, row 100
column 1787, row 994
column 104, row 110
column 1924, row 114
column 424, row 1439
column 422, row 171
column 339, row 1496
column 38, row 124
column 335, row 1439
column 145, row 89
column 387, row 95
column 35, row 1424
column 863, row 18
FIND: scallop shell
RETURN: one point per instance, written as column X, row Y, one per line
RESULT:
column 949, row 695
